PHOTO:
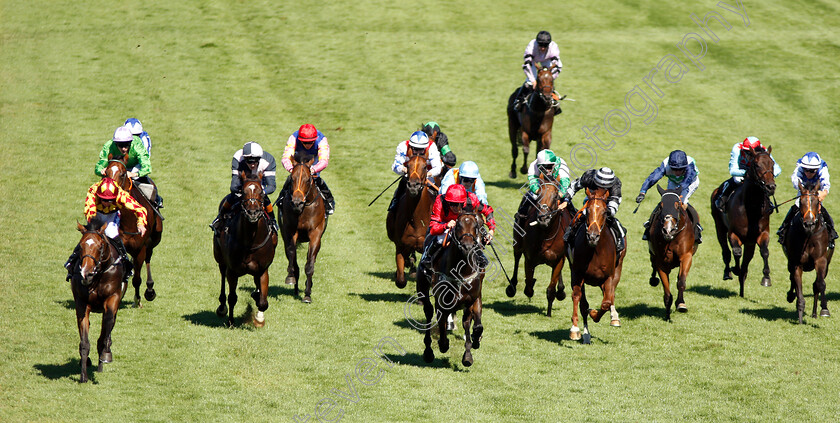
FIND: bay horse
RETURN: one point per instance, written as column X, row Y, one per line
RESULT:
column 540, row 240
column 456, row 286
column 246, row 247
column 806, row 247
column 746, row 218
column 140, row 247
column 302, row 219
column 593, row 261
column 97, row 287
column 408, row 222
column 533, row 121
column 671, row 244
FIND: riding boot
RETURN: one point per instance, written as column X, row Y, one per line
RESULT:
column 72, row 260
column 427, row 259
column 269, row 211
column 555, row 103
column 645, row 232
column 698, row 229
column 570, row 232
column 619, row 233
column 723, row 195
column 220, row 220
column 524, row 206
column 782, row 232
column 521, row 97
column 829, row 222
column 327, row 194
column 397, row 194
column 127, row 265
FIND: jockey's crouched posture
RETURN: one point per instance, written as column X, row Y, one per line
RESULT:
column 601, row 178
column 681, row 171
column 128, row 141
column 250, row 159
column 738, row 166
column 810, row 170
column 310, row 142
column 555, row 169
column 467, row 175
column 445, row 212
column 541, row 50
column 418, row 143
column 105, row 200
column 432, row 129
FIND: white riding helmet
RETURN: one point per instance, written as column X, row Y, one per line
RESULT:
column 546, row 157
column 134, row 126
column 418, row 139
column 122, row 134
column 605, row 177
column 811, row 161
column 252, row 149
column 468, row 169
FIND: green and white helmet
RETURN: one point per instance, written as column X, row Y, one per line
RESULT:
column 546, row 157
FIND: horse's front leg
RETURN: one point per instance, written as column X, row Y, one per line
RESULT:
column 136, row 279
column 526, row 147
column 510, row 291
column 467, row 359
column 261, row 298
column 292, row 270
column 399, row 277
column 796, row 277
column 667, row 298
column 233, row 281
column 109, row 319
column 150, row 293
column 763, row 245
column 309, row 269
column 428, row 310
column 552, row 293
column 819, row 287
column 685, row 266
column 530, row 281
column 83, row 322
column 545, row 140
column 737, row 252
column 222, row 310
column 574, row 333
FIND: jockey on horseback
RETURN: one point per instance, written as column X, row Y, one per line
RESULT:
column 432, row 129
column 603, row 178
column 250, row 159
column 738, row 166
column 682, row 172
column 105, row 200
column 550, row 165
column 138, row 165
column 419, row 143
column 468, row 176
column 545, row 52
column 445, row 212
column 308, row 141
column 810, row 170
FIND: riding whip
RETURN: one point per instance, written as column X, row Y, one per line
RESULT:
column 386, row 189
column 500, row 262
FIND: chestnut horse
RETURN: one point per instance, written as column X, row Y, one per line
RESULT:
column 408, row 222
column 246, row 247
column 671, row 244
column 302, row 219
column 540, row 240
column 140, row 247
column 97, row 287
column 593, row 261
column 533, row 121
column 456, row 286
column 746, row 217
column 806, row 247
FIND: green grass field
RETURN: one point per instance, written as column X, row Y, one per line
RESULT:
column 205, row 77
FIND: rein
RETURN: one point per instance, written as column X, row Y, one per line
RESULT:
column 585, row 206
column 97, row 266
column 304, row 193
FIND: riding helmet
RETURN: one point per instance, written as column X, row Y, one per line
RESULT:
column 604, row 177
column 468, row 169
column 418, row 139
column 430, row 127
column 543, row 39
column 252, row 149
column 546, row 157
column 750, row 143
column 456, row 194
column 677, row 160
column 107, row 189
column 134, row 126
column 307, row 133
column 122, row 134
column 811, row 161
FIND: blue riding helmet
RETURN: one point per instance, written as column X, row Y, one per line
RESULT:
column 677, row 160
column 468, row 169
column 810, row 161
column 134, row 126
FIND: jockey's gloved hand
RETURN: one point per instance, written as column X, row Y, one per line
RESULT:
column 640, row 197
column 402, row 169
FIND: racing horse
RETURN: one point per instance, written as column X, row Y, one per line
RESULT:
column 140, row 247
column 593, row 261
column 539, row 238
column 408, row 222
column 97, row 287
column 456, row 286
column 246, row 247
column 806, row 247
column 671, row 246
column 302, row 219
column 533, row 121
column 746, row 217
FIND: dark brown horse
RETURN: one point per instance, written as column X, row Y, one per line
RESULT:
column 408, row 222
column 593, row 261
column 540, row 240
column 97, row 287
column 533, row 121
column 671, row 244
column 140, row 247
column 456, row 285
column 246, row 247
column 806, row 247
column 746, row 217
column 303, row 220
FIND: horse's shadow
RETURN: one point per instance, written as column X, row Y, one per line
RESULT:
column 779, row 313
column 67, row 370
column 416, row 360
column 638, row 310
column 509, row 308
column 711, row 291
column 210, row 319
column 505, row 183
column 71, row 304
column 393, row 297
column 557, row 336
column 274, row 291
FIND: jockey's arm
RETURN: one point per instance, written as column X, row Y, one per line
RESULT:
column 436, row 225
column 825, row 182
column 288, row 153
column 734, row 162
column 99, row 169
column 399, row 159
column 533, row 177
column 434, row 159
column 487, row 211
column 615, row 197
column 554, row 53
column 686, row 188
column 528, row 62
column 126, row 201
column 447, row 180
column 795, row 178
column 653, row 178
column 446, row 153
column 139, row 151
column 90, row 202
column 777, row 170
column 235, row 180
column 269, row 175
column 323, row 156
column 480, row 191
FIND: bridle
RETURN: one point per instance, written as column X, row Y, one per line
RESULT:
column 758, row 177
column 97, row 263
column 299, row 189
column 545, row 89
column 459, row 241
column 255, row 203
column 679, row 213
column 809, row 210
column 595, row 221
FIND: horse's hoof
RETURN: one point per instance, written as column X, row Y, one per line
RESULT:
column 655, row 281
column 765, row 281
column 401, row 283
column 290, row 280
column 791, row 296
column 100, row 368
column 824, row 313
column 574, row 335
column 560, row 295
column 467, row 360
column 727, row 276
column 681, row 307
column 587, row 338
column 297, row 291
column 106, row 357
column 523, row 170
column 259, row 319
column 512, row 174
column 428, row 355
column 307, row 299
column 615, row 323
column 529, row 291
column 230, row 323
column 137, row 304
column 412, row 275
column 510, row 291
column 221, row 311
column 443, row 344
column 150, row 294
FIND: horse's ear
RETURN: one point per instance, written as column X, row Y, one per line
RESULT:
column 310, row 160
column 588, row 194
column 769, row 149
column 101, row 229
column 554, row 66
column 538, row 65
column 260, row 174
column 659, row 188
column 242, row 174
column 410, row 152
column 110, row 157
column 801, row 188
column 80, row 227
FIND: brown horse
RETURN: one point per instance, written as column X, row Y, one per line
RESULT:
column 806, row 247
column 140, row 247
column 456, row 286
column 540, row 240
column 97, row 287
column 533, row 121
column 408, row 222
column 593, row 261
column 671, row 244
column 246, row 247
column 746, row 217
column 303, row 220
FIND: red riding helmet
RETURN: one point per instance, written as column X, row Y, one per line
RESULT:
column 750, row 143
column 307, row 133
column 107, row 190
column 456, row 194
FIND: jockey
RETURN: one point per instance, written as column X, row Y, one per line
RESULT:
column 137, row 132
column 468, row 176
column 738, row 168
column 810, row 169
column 419, row 143
column 310, row 142
column 601, row 178
column 432, row 129
column 555, row 168
column 250, row 159
column 105, row 201
column 545, row 52
column 445, row 212
column 682, row 172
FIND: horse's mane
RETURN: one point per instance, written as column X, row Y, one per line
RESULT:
column 301, row 157
column 811, row 185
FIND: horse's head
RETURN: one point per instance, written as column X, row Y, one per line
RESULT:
column 116, row 170
column 596, row 214
column 670, row 213
column 252, row 196
column 545, row 82
column 302, row 182
column 466, row 233
column 809, row 205
column 550, row 201
column 93, row 251
column 761, row 169
column 416, row 171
